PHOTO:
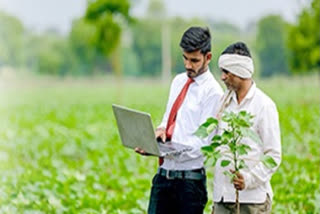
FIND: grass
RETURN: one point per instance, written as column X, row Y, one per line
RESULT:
column 60, row 151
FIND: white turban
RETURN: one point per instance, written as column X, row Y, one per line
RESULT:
column 241, row 66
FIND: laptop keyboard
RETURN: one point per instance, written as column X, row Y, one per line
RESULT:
column 166, row 148
column 170, row 147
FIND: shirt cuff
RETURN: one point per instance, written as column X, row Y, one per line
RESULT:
column 162, row 125
column 248, row 179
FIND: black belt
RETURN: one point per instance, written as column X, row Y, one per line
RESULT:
column 195, row 174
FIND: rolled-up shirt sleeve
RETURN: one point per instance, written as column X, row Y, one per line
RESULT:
column 209, row 108
column 269, row 132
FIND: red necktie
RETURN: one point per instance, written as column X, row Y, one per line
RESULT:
column 173, row 113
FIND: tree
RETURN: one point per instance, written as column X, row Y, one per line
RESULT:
column 11, row 40
column 107, row 16
column 53, row 54
column 147, row 46
column 83, row 42
column 271, row 47
column 304, row 40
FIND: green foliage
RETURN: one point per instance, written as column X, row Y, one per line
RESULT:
column 239, row 126
column 304, row 40
column 53, row 55
column 104, row 14
column 147, row 46
column 93, row 44
column 83, row 42
column 11, row 40
column 268, row 161
column 60, row 150
column 271, row 46
column 206, row 128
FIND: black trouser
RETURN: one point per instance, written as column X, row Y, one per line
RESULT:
column 177, row 196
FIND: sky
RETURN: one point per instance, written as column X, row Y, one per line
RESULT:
column 39, row 15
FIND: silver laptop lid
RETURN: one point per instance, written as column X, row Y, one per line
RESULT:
column 135, row 129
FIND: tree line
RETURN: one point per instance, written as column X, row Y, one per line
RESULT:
column 107, row 39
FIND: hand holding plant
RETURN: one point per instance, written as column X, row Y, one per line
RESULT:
column 238, row 126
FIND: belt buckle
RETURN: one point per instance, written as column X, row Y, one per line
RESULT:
column 168, row 175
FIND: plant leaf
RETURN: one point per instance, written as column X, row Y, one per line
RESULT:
column 215, row 145
column 226, row 135
column 247, row 132
column 206, row 128
column 201, row 132
column 210, row 161
column 268, row 161
column 216, row 138
column 207, row 148
column 230, row 175
column 225, row 163
column 243, row 149
column 242, row 164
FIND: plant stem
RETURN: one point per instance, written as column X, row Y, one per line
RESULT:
column 236, row 169
column 237, row 202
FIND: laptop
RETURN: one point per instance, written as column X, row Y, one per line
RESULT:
column 136, row 130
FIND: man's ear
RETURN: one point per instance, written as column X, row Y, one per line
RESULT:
column 209, row 56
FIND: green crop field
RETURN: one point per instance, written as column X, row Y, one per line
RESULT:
column 60, row 151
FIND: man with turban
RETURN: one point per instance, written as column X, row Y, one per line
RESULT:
column 253, row 182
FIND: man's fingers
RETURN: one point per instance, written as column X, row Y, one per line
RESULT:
column 237, row 182
column 163, row 137
column 140, row 151
column 239, row 176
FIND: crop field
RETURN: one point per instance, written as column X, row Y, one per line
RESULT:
column 60, row 151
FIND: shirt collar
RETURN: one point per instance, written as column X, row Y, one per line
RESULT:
column 202, row 77
column 248, row 96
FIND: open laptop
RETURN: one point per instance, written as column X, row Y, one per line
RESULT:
column 136, row 130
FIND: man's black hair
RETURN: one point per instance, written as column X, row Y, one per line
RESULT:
column 239, row 48
column 196, row 38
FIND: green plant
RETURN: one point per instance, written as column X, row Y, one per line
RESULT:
column 238, row 126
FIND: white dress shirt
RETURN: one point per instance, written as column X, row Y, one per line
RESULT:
column 257, row 176
column 200, row 103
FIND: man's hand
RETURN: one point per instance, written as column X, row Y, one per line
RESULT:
column 141, row 152
column 238, row 180
column 161, row 133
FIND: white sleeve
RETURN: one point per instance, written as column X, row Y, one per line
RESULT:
column 208, row 110
column 269, row 132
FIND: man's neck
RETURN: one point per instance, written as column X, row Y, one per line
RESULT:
column 204, row 70
column 244, row 89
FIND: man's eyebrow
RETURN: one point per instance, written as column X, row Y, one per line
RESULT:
column 192, row 59
column 224, row 70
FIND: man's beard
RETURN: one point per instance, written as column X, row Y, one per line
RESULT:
column 200, row 71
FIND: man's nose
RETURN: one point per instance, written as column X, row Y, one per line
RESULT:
column 188, row 64
column 223, row 76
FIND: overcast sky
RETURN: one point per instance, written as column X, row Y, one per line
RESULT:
column 58, row 14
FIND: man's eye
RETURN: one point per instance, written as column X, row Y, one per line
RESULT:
column 225, row 71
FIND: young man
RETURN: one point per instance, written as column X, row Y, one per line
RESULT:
column 253, row 183
column 180, row 183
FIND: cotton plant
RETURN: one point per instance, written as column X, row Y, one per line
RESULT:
column 238, row 126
